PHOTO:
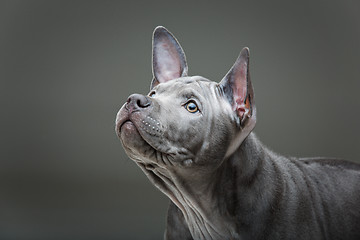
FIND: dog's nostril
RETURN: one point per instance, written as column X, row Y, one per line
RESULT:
column 138, row 102
column 143, row 102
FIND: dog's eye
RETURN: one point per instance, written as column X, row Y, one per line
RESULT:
column 152, row 94
column 191, row 107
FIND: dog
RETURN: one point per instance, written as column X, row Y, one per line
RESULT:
column 193, row 139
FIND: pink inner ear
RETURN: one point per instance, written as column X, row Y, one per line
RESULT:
column 168, row 63
column 240, row 88
column 241, row 111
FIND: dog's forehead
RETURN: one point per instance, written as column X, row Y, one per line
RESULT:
column 194, row 83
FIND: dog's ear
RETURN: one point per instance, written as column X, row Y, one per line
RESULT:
column 168, row 58
column 236, row 87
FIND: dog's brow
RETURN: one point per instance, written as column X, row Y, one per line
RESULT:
column 188, row 93
column 204, row 86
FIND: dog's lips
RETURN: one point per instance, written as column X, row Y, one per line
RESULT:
column 122, row 117
column 126, row 124
column 130, row 131
column 127, row 128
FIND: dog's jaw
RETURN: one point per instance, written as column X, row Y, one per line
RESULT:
column 141, row 137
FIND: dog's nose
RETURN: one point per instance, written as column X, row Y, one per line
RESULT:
column 137, row 101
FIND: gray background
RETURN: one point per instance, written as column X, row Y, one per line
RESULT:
column 66, row 67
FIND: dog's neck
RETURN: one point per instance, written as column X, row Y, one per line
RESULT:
column 214, row 204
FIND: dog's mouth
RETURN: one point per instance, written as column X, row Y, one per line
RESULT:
column 127, row 127
column 127, row 130
column 122, row 118
column 136, row 133
column 127, row 123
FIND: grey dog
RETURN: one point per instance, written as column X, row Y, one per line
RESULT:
column 193, row 139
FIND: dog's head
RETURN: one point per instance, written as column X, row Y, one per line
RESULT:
column 186, row 122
